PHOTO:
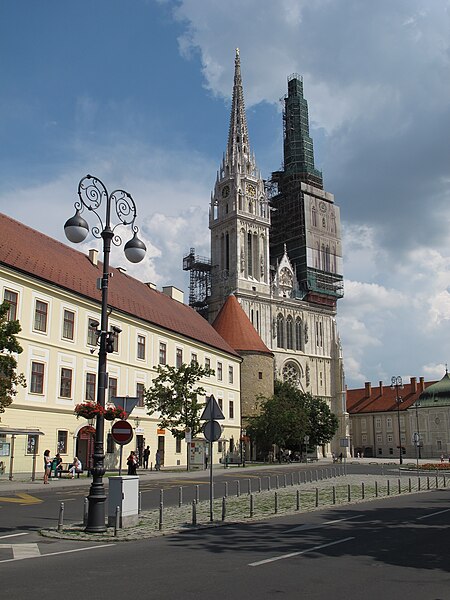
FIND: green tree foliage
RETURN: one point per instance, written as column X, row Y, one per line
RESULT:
column 288, row 416
column 9, row 346
column 174, row 394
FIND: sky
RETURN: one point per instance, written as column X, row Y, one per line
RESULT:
column 138, row 93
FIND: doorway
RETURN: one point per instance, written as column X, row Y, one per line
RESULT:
column 85, row 447
column 140, row 441
column 161, row 440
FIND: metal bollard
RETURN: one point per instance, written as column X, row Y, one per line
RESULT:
column 409, row 485
column 180, row 496
column 117, row 521
column 238, row 488
column 292, row 479
column 418, row 484
column 444, row 483
column 197, row 494
column 277, row 482
column 225, row 485
column 194, row 512
column 317, row 497
column 249, row 481
column 85, row 511
column 298, row 499
column 268, row 484
column 376, row 489
column 61, row 517
column 362, row 491
column 388, row 483
column 399, row 486
column 437, row 482
column 251, row 505
column 259, row 485
column 161, row 496
column 285, row 480
column 224, row 508
column 349, row 492
column 139, row 503
column 428, row 483
column 276, row 502
column 161, row 515
column 334, row 494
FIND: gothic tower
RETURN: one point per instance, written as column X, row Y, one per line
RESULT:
column 239, row 216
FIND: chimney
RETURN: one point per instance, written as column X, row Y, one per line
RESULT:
column 421, row 384
column 173, row 292
column 381, row 388
column 368, row 389
column 93, row 256
column 413, row 385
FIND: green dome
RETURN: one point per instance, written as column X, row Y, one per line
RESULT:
column 437, row 394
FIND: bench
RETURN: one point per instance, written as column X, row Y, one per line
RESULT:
column 64, row 468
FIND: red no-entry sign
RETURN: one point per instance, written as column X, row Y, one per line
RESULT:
column 122, row 432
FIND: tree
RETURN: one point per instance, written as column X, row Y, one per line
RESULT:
column 288, row 416
column 9, row 346
column 174, row 394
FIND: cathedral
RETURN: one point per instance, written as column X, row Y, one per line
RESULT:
column 276, row 247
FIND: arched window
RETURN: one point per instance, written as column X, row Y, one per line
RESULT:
column 249, row 255
column 298, row 334
column 280, row 331
column 289, row 333
column 227, row 251
column 314, row 216
column 291, row 373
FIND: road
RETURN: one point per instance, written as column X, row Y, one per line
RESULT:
column 381, row 549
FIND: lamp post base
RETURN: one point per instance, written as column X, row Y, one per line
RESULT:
column 96, row 509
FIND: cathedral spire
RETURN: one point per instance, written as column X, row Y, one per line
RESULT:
column 238, row 148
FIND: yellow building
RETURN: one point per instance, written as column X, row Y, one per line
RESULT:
column 52, row 291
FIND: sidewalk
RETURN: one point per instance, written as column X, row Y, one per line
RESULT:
column 22, row 481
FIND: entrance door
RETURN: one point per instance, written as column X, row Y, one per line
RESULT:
column 161, row 448
column 85, row 447
column 140, row 441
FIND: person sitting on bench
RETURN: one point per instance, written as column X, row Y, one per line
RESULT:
column 76, row 467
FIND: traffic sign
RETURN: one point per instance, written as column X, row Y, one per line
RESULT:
column 122, row 432
column 212, row 411
column 125, row 402
column 212, row 431
column 187, row 435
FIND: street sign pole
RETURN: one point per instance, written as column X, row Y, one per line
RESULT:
column 211, row 486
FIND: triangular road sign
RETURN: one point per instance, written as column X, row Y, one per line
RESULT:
column 212, row 411
column 125, row 402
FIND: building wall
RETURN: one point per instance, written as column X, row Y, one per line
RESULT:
column 52, row 413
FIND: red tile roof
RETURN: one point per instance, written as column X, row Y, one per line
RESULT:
column 236, row 328
column 382, row 398
column 40, row 256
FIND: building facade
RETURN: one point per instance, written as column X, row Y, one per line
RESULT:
column 277, row 247
column 52, row 291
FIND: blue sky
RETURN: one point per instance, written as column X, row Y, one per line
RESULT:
column 137, row 92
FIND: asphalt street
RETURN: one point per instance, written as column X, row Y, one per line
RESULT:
column 381, row 549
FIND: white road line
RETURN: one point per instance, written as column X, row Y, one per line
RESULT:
column 62, row 552
column 14, row 535
column 283, row 556
column 320, row 525
column 21, row 551
column 433, row 514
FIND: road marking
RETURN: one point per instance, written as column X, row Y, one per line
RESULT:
column 22, row 498
column 433, row 514
column 283, row 556
column 13, row 535
column 53, row 553
column 320, row 525
column 21, row 551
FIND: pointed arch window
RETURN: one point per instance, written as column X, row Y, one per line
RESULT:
column 290, row 333
column 250, row 254
column 314, row 216
column 298, row 334
column 280, row 331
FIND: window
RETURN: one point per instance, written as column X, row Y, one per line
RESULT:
column 290, row 333
column 141, row 347
column 378, row 422
column 194, row 360
column 280, row 331
column 40, row 316
column 363, row 425
column 62, row 442
column 92, row 332
column 37, row 378
column 207, row 364
column 291, row 373
column 298, row 334
column 219, row 371
column 231, row 409
column 220, row 402
column 178, row 445
column 65, row 387
column 230, row 374
column 380, row 451
column 112, row 388
column 379, row 439
column 12, row 298
column 68, row 325
column 32, row 444
column 115, row 337
column 90, row 387
column 162, row 353
column 389, row 423
column 110, row 444
column 179, row 358
column 364, row 438
column 260, row 375
column 390, row 438
column 140, row 394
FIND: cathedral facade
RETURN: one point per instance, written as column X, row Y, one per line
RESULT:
column 276, row 245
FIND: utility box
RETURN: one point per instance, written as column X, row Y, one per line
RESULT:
column 124, row 493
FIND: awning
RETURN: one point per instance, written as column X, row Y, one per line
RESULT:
column 15, row 431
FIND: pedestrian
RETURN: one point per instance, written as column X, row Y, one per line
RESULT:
column 340, row 457
column 146, row 457
column 76, row 467
column 442, row 458
column 57, row 462
column 158, row 460
column 132, row 463
column 47, row 465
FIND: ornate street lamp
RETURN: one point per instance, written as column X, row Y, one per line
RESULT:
column 93, row 193
column 396, row 384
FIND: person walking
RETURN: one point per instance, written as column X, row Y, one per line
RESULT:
column 146, row 457
column 47, row 465
column 158, row 460
column 132, row 463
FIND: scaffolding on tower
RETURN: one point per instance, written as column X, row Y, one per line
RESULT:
column 199, row 281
